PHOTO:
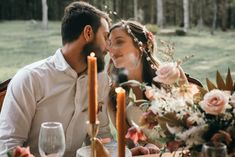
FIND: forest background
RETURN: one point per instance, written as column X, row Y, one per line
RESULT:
column 30, row 30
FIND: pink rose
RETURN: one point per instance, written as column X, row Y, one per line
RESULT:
column 215, row 102
column 149, row 93
column 167, row 73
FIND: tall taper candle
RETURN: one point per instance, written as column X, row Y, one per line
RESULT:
column 120, row 120
column 92, row 87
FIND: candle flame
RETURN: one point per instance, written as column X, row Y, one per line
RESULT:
column 92, row 54
column 119, row 90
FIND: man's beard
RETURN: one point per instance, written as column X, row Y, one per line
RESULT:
column 93, row 47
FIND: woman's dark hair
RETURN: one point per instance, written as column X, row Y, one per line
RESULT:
column 76, row 16
column 139, row 32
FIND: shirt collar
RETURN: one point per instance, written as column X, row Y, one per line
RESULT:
column 61, row 64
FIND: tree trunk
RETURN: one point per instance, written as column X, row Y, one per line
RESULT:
column 114, row 5
column 160, row 18
column 136, row 10
column 229, row 15
column 177, row 13
column 191, row 13
column 223, row 13
column 122, row 8
column 186, row 15
column 200, row 20
column 152, row 12
column 214, row 18
column 44, row 14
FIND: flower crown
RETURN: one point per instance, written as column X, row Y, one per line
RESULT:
column 150, row 44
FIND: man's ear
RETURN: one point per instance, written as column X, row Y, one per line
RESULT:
column 88, row 33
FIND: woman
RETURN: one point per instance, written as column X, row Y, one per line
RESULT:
column 131, row 50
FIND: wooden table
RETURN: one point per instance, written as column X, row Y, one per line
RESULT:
column 176, row 154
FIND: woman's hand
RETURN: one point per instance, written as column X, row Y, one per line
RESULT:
column 147, row 149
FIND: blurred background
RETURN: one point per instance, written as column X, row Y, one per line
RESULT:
column 30, row 30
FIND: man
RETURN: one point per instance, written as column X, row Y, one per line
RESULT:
column 55, row 89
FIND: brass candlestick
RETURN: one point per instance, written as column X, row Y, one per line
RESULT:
column 92, row 131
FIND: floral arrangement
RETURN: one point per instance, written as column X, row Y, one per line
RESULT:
column 20, row 152
column 183, row 115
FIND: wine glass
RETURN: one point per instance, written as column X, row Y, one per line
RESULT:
column 214, row 150
column 3, row 150
column 51, row 139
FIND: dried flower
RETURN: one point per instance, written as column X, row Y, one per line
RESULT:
column 188, row 116
column 135, row 134
column 232, row 100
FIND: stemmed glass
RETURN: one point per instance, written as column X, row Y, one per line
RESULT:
column 214, row 150
column 51, row 140
column 3, row 150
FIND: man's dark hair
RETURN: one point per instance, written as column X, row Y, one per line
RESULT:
column 76, row 16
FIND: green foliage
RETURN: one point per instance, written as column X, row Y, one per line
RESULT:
column 23, row 42
column 211, row 53
column 180, row 32
column 201, row 12
column 152, row 28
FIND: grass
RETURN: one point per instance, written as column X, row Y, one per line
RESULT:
column 23, row 42
column 211, row 53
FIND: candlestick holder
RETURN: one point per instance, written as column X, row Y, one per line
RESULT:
column 92, row 131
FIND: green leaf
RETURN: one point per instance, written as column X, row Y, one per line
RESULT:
column 132, row 96
column 141, row 101
column 9, row 154
column 131, row 83
column 164, row 140
column 220, row 81
column 210, row 85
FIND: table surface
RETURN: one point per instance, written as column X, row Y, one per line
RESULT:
column 175, row 154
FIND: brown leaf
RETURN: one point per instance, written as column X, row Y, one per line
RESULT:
column 220, row 81
column 163, row 126
column 202, row 90
column 229, row 81
column 210, row 85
